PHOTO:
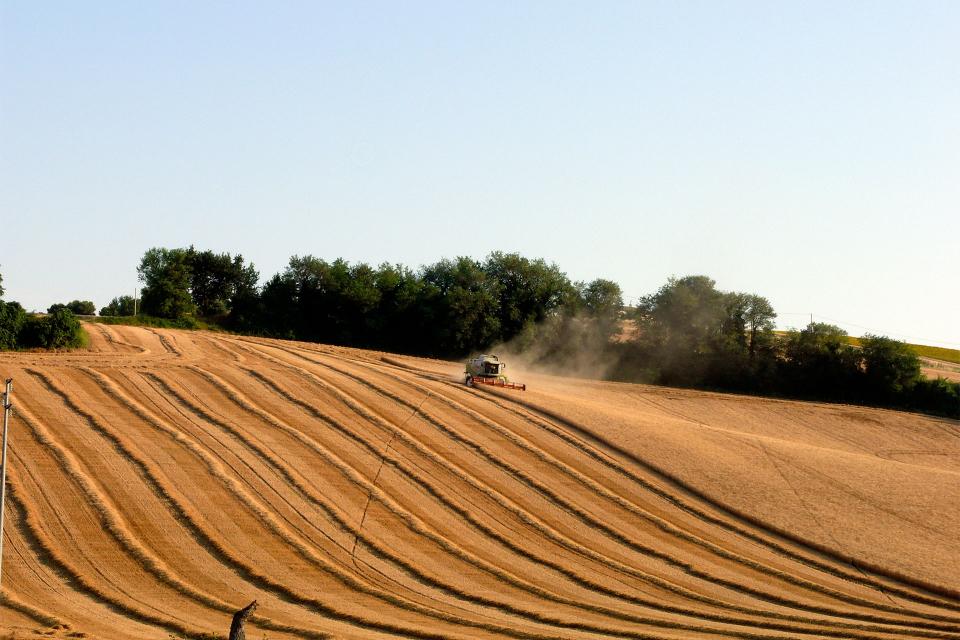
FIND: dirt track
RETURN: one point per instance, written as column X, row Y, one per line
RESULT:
column 164, row 479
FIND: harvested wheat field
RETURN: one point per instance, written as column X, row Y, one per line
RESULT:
column 162, row 480
column 940, row 369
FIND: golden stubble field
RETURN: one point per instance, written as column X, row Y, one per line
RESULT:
column 164, row 479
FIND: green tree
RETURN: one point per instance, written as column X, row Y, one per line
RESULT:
column 747, row 323
column 120, row 306
column 602, row 298
column 463, row 306
column 329, row 301
column 681, row 328
column 759, row 318
column 399, row 320
column 685, row 311
column 166, row 274
column 890, row 366
column 938, row 396
column 528, row 291
column 819, row 362
column 82, row 307
column 277, row 310
column 218, row 279
column 587, row 318
column 58, row 329
column 355, row 301
column 12, row 320
column 817, row 342
column 691, row 333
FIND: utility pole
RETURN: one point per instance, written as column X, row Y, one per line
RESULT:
column 7, row 407
column 135, row 301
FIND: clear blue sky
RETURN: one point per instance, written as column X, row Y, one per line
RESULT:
column 808, row 152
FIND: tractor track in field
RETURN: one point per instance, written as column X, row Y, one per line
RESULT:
column 586, row 517
column 162, row 479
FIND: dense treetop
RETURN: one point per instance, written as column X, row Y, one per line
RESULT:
column 120, row 306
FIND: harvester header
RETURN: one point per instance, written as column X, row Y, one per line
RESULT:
column 487, row 369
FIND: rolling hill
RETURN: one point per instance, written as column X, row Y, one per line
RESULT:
column 163, row 479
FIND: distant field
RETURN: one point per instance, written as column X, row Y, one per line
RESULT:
column 924, row 351
column 938, row 353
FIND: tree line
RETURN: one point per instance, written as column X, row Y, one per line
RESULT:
column 58, row 329
column 687, row 333
column 445, row 309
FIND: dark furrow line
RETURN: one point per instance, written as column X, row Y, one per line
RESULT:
column 376, row 478
column 560, row 539
column 945, row 598
column 530, row 416
column 465, row 515
column 467, row 557
column 103, row 332
column 655, row 520
column 531, row 413
column 110, row 519
column 860, row 579
column 108, row 333
column 29, row 562
column 449, row 547
column 283, row 470
column 350, row 582
column 272, row 461
column 61, row 517
column 262, row 581
column 45, row 551
column 165, row 343
column 610, row 531
column 29, row 611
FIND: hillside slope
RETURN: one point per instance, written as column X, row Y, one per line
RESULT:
column 163, row 479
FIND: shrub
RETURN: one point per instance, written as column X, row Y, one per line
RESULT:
column 820, row 364
column 120, row 306
column 77, row 307
column 82, row 307
column 12, row 319
column 57, row 330
column 167, row 275
column 891, row 367
column 935, row 396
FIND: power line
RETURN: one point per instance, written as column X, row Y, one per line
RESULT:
column 870, row 329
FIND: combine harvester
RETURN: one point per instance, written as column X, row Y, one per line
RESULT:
column 489, row 370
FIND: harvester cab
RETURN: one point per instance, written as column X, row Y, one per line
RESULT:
column 487, row 369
